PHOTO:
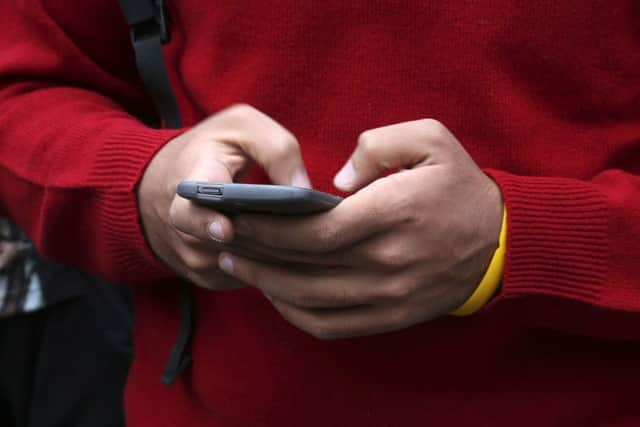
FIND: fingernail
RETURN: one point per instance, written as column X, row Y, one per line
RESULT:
column 346, row 178
column 300, row 179
column 226, row 264
column 215, row 231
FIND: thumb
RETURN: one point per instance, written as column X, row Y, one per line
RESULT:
column 404, row 145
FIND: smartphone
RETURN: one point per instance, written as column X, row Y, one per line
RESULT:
column 257, row 198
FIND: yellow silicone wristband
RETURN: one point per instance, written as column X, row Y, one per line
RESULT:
column 492, row 277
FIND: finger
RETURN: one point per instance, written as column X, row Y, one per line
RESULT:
column 348, row 322
column 249, row 248
column 262, row 139
column 403, row 145
column 215, row 281
column 252, row 250
column 201, row 268
column 355, row 218
column 334, row 288
column 200, row 222
column 378, row 253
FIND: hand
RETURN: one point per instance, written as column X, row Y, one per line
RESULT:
column 9, row 253
column 188, row 237
column 403, row 250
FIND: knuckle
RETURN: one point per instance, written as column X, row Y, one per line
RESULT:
column 285, row 312
column 327, row 238
column 303, row 299
column 398, row 318
column 195, row 262
column 191, row 241
column 367, row 143
column 321, row 330
column 400, row 205
column 241, row 110
column 434, row 130
column 344, row 297
column 174, row 216
column 378, row 209
column 338, row 298
column 285, row 145
column 389, row 256
column 397, row 290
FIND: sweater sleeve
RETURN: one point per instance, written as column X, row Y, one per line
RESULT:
column 573, row 257
column 71, row 149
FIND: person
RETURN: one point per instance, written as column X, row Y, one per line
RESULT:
column 435, row 118
column 61, row 333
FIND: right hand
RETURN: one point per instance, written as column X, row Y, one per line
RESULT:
column 189, row 237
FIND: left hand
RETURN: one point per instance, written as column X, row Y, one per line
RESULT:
column 405, row 249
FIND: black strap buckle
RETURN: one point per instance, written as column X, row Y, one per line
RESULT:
column 147, row 19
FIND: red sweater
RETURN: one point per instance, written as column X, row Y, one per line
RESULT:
column 544, row 95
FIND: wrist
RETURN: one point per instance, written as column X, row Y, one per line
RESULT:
column 490, row 282
column 157, row 182
column 156, row 189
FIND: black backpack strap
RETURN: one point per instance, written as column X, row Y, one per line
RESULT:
column 180, row 359
column 149, row 25
column 149, row 28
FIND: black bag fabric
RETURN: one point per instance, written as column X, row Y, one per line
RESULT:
column 66, row 364
column 65, row 341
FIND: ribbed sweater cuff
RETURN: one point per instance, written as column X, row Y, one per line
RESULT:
column 556, row 238
column 117, row 170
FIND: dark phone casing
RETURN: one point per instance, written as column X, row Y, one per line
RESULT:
column 257, row 198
